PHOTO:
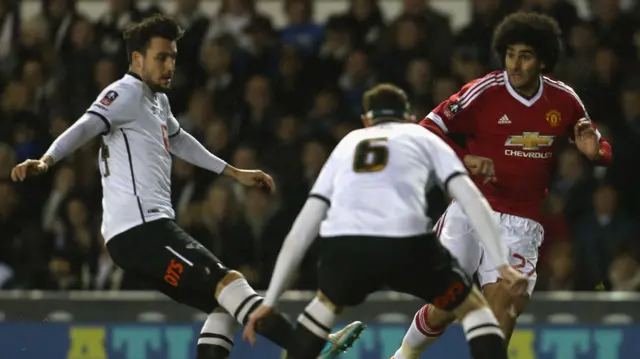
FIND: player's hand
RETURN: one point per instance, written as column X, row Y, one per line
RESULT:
column 586, row 139
column 249, row 332
column 481, row 166
column 516, row 282
column 28, row 168
column 252, row 178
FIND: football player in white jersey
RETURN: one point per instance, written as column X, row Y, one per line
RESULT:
column 369, row 207
column 139, row 137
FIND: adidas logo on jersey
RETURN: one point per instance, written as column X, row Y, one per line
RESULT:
column 504, row 120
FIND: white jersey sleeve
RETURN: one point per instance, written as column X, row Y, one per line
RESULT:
column 444, row 161
column 173, row 126
column 323, row 188
column 117, row 105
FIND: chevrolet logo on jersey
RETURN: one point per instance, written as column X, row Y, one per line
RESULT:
column 530, row 141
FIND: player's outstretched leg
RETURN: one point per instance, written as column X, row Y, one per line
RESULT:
column 505, row 306
column 314, row 326
column 426, row 328
column 216, row 336
column 481, row 327
column 236, row 296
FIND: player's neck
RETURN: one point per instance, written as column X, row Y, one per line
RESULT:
column 530, row 90
column 134, row 73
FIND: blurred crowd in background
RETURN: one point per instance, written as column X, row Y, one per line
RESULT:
column 279, row 99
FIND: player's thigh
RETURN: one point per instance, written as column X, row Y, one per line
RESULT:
column 173, row 262
column 431, row 273
column 347, row 275
column 457, row 235
column 522, row 238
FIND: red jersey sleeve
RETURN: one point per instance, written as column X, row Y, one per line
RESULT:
column 457, row 114
column 581, row 113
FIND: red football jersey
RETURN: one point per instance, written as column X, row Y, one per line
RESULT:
column 517, row 133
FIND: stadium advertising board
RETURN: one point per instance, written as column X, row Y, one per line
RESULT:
column 172, row 341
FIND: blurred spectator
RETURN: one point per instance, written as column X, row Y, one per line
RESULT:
column 260, row 54
column 57, row 17
column 407, row 43
column 232, row 19
column 64, row 184
column 119, row 15
column 7, row 160
column 292, row 85
column 75, row 249
column 356, row 78
column 9, row 36
column 624, row 273
column 486, row 14
column 301, row 31
column 603, row 87
column 599, row 233
column 338, row 43
column 439, row 37
column 443, row 88
column 419, row 79
column 614, row 26
column 255, row 116
column 198, row 114
column 578, row 65
column 364, row 22
column 76, row 66
column 221, row 228
column 469, row 62
column 195, row 25
column 572, row 183
column 219, row 78
column 556, row 227
column 563, row 11
column 326, row 113
column 558, row 271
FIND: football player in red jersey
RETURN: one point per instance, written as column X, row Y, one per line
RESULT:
column 511, row 120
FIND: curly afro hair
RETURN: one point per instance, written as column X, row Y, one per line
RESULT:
column 536, row 30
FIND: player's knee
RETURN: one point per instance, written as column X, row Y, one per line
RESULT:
column 228, row 278
column 328, row 303
column 474, row 301
column 502, row 300
column 219, row 310
column 439, row 318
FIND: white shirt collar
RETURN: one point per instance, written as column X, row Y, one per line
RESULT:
column 527, row 102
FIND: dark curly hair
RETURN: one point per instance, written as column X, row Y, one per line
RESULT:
column 536, row 30
column 139, row 35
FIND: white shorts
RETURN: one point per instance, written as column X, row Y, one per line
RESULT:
column 521, row 238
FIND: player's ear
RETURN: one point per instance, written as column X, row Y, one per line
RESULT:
column 366, row 121
column 137, row 59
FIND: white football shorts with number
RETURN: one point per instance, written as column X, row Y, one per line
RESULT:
column 521, row 238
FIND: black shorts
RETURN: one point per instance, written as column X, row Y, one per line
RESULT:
column 351, row 268
column 164, row 256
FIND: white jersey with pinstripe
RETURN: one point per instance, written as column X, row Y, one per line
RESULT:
column 376, row 180
column 134, row 158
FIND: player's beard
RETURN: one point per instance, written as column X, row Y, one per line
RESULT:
column 155, row 86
